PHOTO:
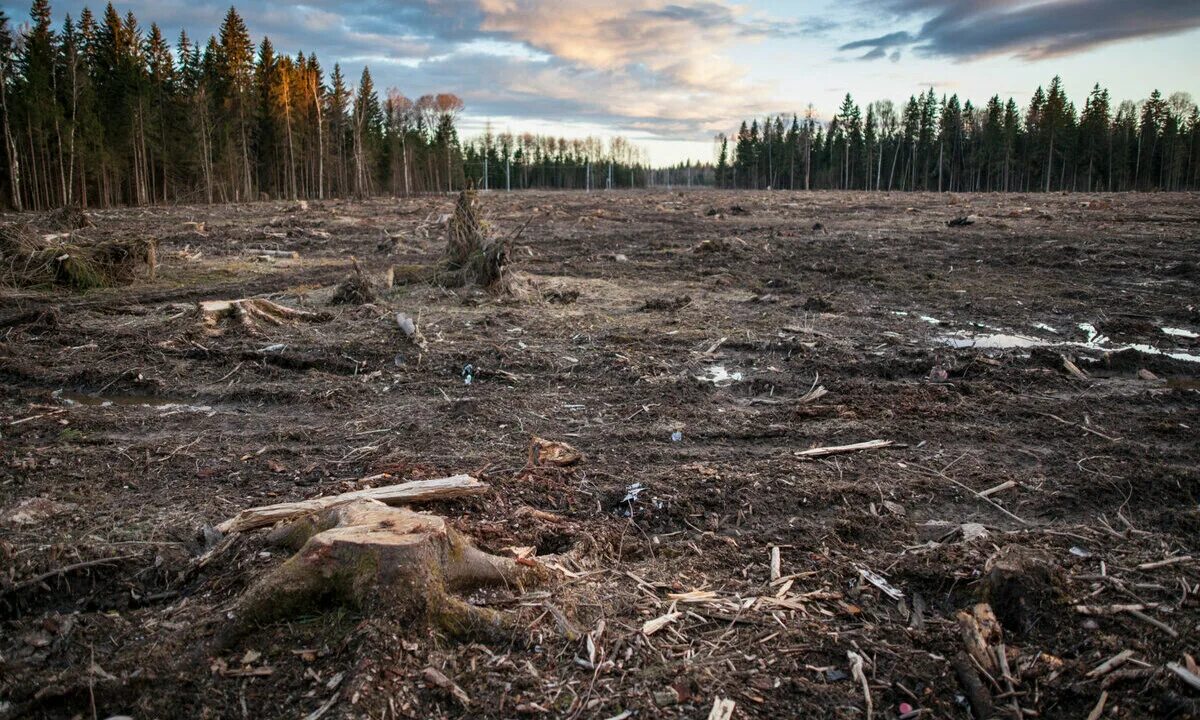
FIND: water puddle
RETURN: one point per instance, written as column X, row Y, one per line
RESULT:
column 1095, row 341
column 1179, row 332
column 991, row 341
column 718, row 375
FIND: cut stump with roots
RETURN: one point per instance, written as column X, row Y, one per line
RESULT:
column 367, row 555
column 249, row 312
column 473, row 255
column 354, row 290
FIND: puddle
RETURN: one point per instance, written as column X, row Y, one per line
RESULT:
column 1151, row 350
column 1044, row 326
column 992, row 341
column 930, row 320
column 1179, row 332
column 1095, row 341
column 718, row 375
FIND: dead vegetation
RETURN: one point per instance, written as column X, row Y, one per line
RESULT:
column 48, row 251
column 354, row 290
column 803, row 477
column 474, row 254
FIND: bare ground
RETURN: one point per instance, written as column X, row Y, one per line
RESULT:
column 125, row 429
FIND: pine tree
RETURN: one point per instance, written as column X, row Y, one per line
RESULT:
column 235, row 68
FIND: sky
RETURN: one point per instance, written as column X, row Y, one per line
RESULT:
column 670, row 74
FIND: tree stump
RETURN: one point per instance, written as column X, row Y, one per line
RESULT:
column 249, row 312
column 473, row 255
column 365, row 554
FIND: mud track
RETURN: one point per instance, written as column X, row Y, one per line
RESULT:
column 674, row 343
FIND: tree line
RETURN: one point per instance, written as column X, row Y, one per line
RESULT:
column 101, row 111
column 942, row 144
column 524, row 161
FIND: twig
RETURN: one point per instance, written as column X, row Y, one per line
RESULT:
column 998, row 488
column 856, row 669
column 839, row 449
column 1154, row 621
column 1164, row 563
column 1185, row 675
column 1110, row 664
column 31, row 582
column 1085, row 428
column 974, row 492
column 1099, row 709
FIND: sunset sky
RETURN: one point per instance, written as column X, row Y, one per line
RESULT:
column 671, row 73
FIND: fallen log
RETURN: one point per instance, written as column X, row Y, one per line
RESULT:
column 410, row 492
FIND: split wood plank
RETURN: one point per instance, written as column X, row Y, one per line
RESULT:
column 416, row 491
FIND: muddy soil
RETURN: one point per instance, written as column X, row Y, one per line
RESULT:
column 680, row 346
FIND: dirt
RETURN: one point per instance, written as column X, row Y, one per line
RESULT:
column 128, row 430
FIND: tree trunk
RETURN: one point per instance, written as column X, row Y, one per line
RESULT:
column 10, row 147
column 1049, row 160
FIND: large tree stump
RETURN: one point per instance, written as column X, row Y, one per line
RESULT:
column 367, row 555
column 250, row 313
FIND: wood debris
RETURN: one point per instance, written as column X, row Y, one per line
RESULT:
column 840, row 449
column 416, row 491
column 552, row 452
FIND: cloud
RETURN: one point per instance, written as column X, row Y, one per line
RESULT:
column 1031, row 30
column 633, row 64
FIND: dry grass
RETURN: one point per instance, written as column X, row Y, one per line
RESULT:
column 30, row 256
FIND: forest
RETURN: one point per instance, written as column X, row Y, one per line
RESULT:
column 944, row 144
column 508, row 161
column 103, row 112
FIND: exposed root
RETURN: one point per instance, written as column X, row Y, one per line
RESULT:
column 365, row 554
column 473, row 255
column 354, row 290
column 249, row 313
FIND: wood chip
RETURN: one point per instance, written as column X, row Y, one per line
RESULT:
column 652, row 626
column 722, row 709
column 693, row 596
column 436, row 678
column 882, row 584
